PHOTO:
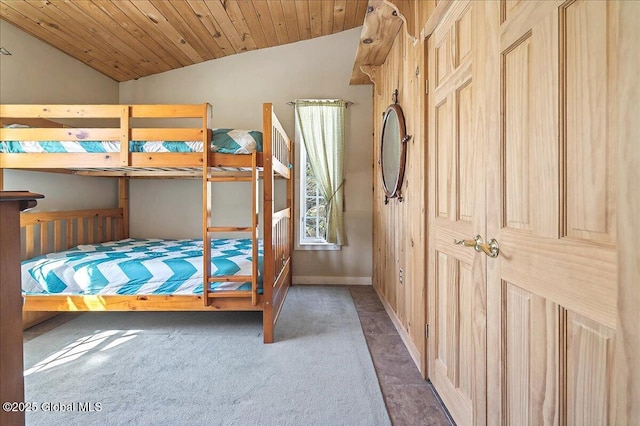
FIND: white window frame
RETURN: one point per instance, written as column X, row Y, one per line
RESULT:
column 301, row 242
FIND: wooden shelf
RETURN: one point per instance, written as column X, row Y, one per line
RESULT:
column 381, row 25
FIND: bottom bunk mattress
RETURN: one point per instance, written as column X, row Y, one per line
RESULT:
column 140, row 267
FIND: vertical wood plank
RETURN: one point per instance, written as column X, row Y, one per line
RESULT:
column 29, row 241
column 91, row 230
column 82, row 238
column 44, row 238
column 108, row 229
column 123, row 203
column 125, row 135
column 100, row 227
column 69, row 234
column 627, row 378
column 57, row 235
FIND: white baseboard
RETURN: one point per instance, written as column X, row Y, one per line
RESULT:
column 315, row 280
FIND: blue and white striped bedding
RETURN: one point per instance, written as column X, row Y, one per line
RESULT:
column 139, row 267
column 227, row 141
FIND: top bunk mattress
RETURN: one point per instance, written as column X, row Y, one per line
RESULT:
column 225, row 141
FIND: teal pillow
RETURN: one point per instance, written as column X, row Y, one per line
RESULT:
column 232, row 141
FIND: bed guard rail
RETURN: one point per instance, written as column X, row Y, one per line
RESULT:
column 121, row 123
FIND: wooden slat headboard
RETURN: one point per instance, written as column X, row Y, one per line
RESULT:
column 47, row 232
column 31, row 122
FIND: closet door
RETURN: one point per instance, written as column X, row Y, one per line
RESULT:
column 456, row 211
column 551, row 196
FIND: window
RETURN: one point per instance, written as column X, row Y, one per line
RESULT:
column 320, row 136
column 314, row 206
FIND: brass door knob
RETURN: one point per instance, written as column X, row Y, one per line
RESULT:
column 492, row 249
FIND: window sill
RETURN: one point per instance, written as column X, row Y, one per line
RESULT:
column 317, row 247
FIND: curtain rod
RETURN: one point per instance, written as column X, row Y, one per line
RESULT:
column 348, row 103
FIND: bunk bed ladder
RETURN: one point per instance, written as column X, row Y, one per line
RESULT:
column 208, row 294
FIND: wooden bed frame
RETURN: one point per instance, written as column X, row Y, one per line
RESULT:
column 46, row 232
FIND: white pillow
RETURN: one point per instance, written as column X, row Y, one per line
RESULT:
column 16, row 126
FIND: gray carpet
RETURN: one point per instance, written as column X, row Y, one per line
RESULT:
column 197, row 368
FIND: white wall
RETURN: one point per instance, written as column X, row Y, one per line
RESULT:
column 236, row 86
column 36, row 73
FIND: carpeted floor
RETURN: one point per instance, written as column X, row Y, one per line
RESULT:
column 143, row 368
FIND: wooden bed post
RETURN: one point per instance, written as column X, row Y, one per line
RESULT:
column 125, row 134
column 123, row 203
column 269, row 278
column 11, row 367
column 206, row 209
column 290, row 206
column 255, row 203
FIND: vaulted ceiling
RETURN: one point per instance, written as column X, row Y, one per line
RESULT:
column 128, row 39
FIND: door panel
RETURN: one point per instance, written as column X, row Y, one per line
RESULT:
column 467, row 160
column 516, row 101
column 589, row 370
column 445, row 160
column 589, row 143
column 551, row 302
column 453, row 342
column 456, row 208
column 530, row 354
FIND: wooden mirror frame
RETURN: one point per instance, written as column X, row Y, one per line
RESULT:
column 393, row 189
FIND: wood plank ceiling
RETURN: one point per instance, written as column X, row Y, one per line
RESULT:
column 129, row 39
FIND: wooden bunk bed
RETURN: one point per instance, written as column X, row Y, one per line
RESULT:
column 121, row 126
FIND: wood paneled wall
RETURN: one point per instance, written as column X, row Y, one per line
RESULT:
column 399, row 233
column 561, row 332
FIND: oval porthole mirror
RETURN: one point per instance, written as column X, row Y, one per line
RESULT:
column 393, row 150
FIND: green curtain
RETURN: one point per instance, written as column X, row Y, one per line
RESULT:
column 321, row 124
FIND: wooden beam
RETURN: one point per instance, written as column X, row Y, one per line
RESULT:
column 39, row 160
column 76, row 303
column 165, row 134
column 60, row 111
column 167, row 111
column 68, row 134
column 32, row 218
column 381, row 25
